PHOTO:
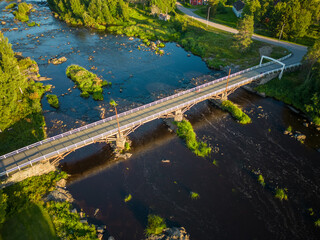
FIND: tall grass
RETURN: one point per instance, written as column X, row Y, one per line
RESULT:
column 186, row 132
column 236, row 112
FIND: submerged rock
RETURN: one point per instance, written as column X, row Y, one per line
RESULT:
column 170, row 234
column 57, row 61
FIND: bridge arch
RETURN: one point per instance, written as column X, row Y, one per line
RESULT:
column 274, row 60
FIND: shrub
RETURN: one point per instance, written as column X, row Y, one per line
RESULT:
column 186, row 132
column 194, row 195
column 22, row 13
column 261, row 180
column 11, row 5
column 128, row 198
column 155, row 225
column 281, row 194
column 53, row 100
column 236, row 112
column 317, row 223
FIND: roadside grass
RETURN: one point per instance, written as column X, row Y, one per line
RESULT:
column 32, row 223
column 236, row 112
column 186, row 132
column 224, row 15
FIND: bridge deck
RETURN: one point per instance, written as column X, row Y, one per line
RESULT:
column 53, row 147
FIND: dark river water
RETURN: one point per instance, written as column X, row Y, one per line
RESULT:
column 232, row 203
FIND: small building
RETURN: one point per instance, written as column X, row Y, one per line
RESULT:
column 238, row 8
column 197, row 2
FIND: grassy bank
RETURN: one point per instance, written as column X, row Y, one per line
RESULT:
column 24, row 215
column 214, row 46
column 21, row 119
column 294, row 90
column 186, row 132
column 236, row 112
column 88, row 82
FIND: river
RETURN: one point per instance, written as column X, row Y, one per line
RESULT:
column 232, row 203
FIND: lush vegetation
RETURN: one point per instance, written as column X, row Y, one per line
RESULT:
column 281, row 194
column 21, row 120
column 67, row 224
column 22, row 12
column 194, row 195
column 88, row 82
column 11, row 5
column 53, row 100
column 155, row 225
column 236, row 112
column 217, row 48
column 95, row 13
column 186, row 132
column 302, row 88
column 24, row 215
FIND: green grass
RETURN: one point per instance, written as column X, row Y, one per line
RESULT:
column 194, row 195
column 155, row 226
column 53, row 100
column 128, row 198
column 32, row 223
column 236, row 112
column 281, row 194
column 186, row 132
column 223, row 16
column 88, row 82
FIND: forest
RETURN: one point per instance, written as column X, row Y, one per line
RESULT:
column 21, row 120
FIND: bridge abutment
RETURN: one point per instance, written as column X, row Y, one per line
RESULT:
column 120, row 141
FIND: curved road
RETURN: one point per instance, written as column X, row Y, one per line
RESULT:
column 298, row 51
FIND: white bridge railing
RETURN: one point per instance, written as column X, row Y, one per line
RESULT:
column 141, row 121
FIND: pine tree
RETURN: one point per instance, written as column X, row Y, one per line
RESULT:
column 243, row 38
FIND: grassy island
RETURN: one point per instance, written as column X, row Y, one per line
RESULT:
column 53, row 100
column 186, row 132
column 21, row 119
column 236, row 112
column 88, row 82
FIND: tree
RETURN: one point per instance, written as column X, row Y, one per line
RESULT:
column 3, row 206
column 114, row 104
column 164, row 5
column 245, row 28
column 213, row 4
column 252, row 7
column 312, row 58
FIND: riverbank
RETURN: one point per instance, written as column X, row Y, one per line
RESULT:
column 215, row 47
column 21, row 119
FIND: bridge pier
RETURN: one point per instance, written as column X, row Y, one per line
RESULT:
column 120, row 141
column 178, row 115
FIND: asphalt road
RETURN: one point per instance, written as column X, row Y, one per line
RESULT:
column 298, row 50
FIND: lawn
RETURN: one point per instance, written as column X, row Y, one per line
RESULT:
column 223, row 16
column 32, row 223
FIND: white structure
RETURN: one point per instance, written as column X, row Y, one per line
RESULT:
column 237, row 8
column 272, row 59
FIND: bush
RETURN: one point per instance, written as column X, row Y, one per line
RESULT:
column 236, row 112
column 155, row 225
column 53, row 100
column 11, row 5
column 194, row 195
column 22, row 13
column 281, row 194
column 185, row 131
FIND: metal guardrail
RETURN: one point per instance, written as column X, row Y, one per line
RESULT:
column 154, row 116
